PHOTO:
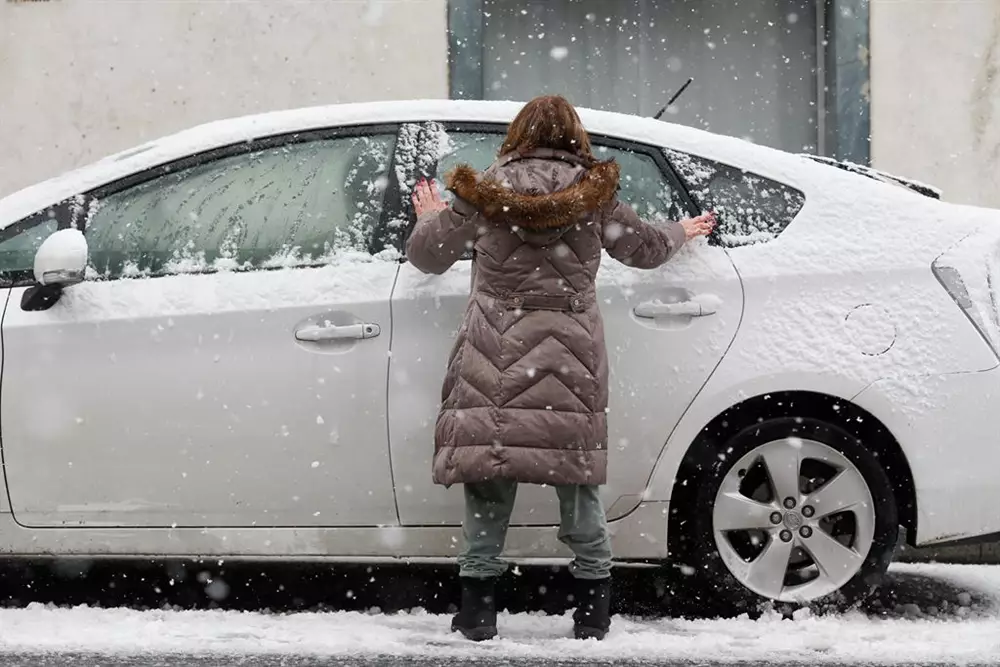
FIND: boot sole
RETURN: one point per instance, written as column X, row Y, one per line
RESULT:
column 476, row 634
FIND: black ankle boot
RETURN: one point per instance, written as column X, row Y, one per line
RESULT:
column 592, row 618
column 477, row 618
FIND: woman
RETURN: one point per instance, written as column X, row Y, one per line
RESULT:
column 526, row 390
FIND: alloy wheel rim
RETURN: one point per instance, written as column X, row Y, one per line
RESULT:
column 793, row 520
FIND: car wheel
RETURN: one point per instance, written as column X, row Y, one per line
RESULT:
column 793, row 511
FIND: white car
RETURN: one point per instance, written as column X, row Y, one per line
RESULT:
column 234, row 359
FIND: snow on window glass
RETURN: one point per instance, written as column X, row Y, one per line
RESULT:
column 750, row 208
column 291, row 205
column 419, row 148
column 407, row 149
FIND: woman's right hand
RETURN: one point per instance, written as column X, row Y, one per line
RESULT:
column 699, row 226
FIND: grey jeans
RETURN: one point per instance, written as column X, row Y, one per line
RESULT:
column 583, row 528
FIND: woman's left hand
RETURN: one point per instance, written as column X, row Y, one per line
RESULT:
column 426, row 198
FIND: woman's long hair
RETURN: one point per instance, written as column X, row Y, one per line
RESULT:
column 549, row 121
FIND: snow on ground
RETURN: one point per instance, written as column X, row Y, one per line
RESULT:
column 963, row 630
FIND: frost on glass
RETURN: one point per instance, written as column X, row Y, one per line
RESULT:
column 293, row 205
column 750, row 208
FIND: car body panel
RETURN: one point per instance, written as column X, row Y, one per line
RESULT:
column 642, row 535
column 947, row 426
column 5, row 300
column 803, row 289
column 187, row 401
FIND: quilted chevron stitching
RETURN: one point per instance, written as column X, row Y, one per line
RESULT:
column 586, row 408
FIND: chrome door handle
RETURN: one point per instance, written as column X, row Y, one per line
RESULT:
column 698, row 306
column 317, row 334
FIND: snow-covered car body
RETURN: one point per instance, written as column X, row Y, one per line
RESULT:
column 283, row 406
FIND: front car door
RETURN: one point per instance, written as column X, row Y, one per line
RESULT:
column 660, row 354
column 225, row 362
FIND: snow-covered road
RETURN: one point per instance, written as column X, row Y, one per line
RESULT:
column 952, row 616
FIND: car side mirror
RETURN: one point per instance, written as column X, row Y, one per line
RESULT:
column 61, row 261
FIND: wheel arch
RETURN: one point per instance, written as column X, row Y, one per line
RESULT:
column 807, row 404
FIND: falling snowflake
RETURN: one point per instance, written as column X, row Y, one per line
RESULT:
column 559, row 52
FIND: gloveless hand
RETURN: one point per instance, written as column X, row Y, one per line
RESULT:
column 699, row 226
column 426, row 198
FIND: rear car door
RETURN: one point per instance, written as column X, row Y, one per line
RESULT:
column 666, row 330
column 224, row 364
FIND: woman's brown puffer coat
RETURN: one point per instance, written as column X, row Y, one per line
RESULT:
column 526, row 390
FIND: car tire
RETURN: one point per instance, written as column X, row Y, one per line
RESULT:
column 728, row 562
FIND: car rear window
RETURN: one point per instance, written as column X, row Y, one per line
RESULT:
column 750, row 208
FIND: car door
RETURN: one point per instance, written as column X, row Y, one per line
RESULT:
column 225, row 362
column 666, row 330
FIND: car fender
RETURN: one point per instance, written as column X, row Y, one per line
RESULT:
column 720, row 394
column 947, row 428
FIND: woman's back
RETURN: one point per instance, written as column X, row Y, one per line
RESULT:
column 526, row 390
column 545, row 235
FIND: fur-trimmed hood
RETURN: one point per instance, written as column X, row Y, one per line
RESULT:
column 539, row 191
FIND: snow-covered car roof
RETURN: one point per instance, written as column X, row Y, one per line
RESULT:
column 772, row 163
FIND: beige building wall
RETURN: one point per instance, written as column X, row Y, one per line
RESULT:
column 935, row 70
column 80, row 79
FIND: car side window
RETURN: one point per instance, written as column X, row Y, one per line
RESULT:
column 477, row 149
column 17, row 251
column 289, row 205
column 750, row 208
column 643, row 183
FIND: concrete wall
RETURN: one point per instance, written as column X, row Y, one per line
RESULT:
column 82, row 79
column 935, row 70
column 935, row 82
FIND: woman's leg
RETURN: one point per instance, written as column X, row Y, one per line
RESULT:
column 487, row 514
column 584, row 529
